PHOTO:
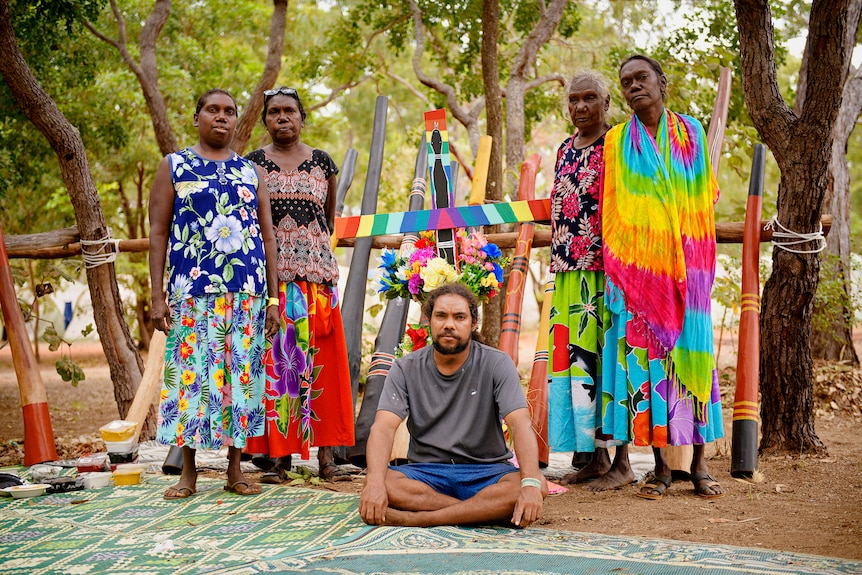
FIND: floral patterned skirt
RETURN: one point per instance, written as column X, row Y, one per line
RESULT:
column 578, row 320
column 309, row 401
column 642, row 402
column 212, row 395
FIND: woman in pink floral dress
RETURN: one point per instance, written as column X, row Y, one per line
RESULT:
column 309, row 400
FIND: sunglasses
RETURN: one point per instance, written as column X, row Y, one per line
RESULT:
column 285, row 91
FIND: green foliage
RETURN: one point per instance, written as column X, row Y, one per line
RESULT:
column 302, row 476
column 833, row 304
column 69, row 370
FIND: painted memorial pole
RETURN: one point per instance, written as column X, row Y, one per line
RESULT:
column 440, row 168
column 480, row 174
column 38, row 435
column 743, row 457
column 391, row 327
column 537, row 389
column 511, row 328
column 345, row 178
column 353, row 302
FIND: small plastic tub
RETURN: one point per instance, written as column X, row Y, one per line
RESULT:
column 128, row 457
column 41, row 472
column 124, row 446
column 127, row 476
column 118, row 430
column 95, row 480
column 94, row 462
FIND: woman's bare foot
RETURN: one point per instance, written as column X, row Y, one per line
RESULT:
column 597, row 467
column 613, row 479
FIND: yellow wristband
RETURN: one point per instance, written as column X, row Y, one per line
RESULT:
column 531, row 482
column 272, row 301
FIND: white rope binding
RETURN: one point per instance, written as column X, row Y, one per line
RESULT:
column 784, row 238
column 94, row 251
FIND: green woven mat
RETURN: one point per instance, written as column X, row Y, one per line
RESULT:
column 133, row 530
column 486, row 551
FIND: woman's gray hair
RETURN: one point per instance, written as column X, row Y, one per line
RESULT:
column 599, row 81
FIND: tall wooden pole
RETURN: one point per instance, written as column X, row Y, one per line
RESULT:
column 391, row 329
column 38, row 434
column 743, row 460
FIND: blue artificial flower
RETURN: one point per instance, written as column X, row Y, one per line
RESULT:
column 492, row 251
column 498, row 271
column 388, row 259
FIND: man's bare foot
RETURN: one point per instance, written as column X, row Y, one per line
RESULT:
column 613, row 479
column 400, row 518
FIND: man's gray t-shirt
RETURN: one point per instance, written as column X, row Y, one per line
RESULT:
column 457, row 418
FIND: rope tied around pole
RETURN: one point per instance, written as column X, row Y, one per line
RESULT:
column 787, row 237
column 95, row 251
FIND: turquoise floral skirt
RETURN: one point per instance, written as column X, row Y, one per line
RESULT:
column 212, row 395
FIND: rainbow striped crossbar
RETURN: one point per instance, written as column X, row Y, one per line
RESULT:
column 443, row 219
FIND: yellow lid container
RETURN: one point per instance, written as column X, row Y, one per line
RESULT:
column 127, row 476
column 118, row 430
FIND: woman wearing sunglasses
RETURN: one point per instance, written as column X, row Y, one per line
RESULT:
column 308, row 396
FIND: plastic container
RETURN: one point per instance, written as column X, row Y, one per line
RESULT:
column 128, row 457
column 118, row 430
column 64, row 484
column 124, row 446
column 127, row 476
column 94, row 462
column 96, row 480
column 41, row 472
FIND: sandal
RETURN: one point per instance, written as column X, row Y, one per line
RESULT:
column 243, row 487
column 263, row 462
column 278, row 473
column 331, row 472
column 655, row 490
column 703, row 482
column 179, row 492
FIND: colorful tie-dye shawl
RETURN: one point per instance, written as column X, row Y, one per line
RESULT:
column 659, row 234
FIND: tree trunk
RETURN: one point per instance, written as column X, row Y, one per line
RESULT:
column 492, row 314
column 802, row 146
column 271, row 68
column 834, row 341
column 125, row 363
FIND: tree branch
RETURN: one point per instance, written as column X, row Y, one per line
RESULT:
column 456, row 110
column 268, row 77
column 769, row 112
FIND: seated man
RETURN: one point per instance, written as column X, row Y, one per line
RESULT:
column 455, row 393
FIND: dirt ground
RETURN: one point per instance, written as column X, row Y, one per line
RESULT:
column 802, row 504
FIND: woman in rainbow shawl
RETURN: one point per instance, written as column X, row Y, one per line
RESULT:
column 659, row 255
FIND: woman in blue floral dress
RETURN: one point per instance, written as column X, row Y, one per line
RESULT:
column 206, row 206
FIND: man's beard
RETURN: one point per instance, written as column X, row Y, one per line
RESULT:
column 458, row 348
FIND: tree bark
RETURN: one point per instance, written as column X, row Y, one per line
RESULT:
column 492, row 312
column 125, row 363
column 271, row 68
column 802, row 145
column 834, row 341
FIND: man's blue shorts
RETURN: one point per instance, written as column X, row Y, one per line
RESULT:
column 460, row 480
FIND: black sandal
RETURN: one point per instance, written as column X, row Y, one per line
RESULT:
column 329, row 471
column 658, row 485
column 278, row 473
